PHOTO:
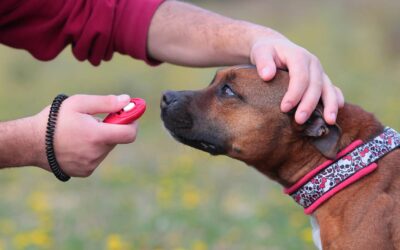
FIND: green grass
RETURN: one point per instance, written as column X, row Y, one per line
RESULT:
column 158, row 194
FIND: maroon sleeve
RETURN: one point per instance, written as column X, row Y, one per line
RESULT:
column 94, row 28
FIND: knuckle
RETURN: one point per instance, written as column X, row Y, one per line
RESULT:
column 303, row 79
column 330, row 100
column 328, row 86
column 131, row 137
column 317, row 84
column 111, row 100
column 299, row 58
column 299, row 82
column 302, row 53
column 89, row 168
column 339, row 91
column 330, row 104
column 308, row 105
column 315, row 60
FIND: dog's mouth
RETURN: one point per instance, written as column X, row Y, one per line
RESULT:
column 188, row 129
column 201, row 144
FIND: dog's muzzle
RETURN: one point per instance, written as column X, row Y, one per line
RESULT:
column 174, row 111
column 185, row 126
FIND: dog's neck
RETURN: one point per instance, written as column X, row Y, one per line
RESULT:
column 288, row 172
column 349, row 166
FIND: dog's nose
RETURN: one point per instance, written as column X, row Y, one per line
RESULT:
column 169, row 97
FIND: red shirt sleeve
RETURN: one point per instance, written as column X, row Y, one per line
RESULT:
column 94, row 28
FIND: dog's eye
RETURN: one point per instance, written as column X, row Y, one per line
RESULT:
column 227, row 91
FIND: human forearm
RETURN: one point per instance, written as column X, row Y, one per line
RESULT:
column 184, row 34
column 21, row 143
column 187, row 35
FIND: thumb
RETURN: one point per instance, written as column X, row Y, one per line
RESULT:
column 96, row 104
column 265, row 64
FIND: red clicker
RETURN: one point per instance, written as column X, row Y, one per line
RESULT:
column 131, row 112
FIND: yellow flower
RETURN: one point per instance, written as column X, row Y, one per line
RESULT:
column 39, row 203
column 21, row 241
column 199, row 245
column 297, row 219
column 40, row 238
column 164, row 196
column 115, row 242
column 306, row 235
column 36, row 237
column 191, row 197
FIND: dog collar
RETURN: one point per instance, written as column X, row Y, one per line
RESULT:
column 351, row 164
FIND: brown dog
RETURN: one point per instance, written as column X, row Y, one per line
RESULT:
column 238, row 115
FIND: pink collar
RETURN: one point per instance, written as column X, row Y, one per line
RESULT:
column 350, row 165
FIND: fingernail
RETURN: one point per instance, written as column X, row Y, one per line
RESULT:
column 123, row 98
column 302, row 117
column 265, row 72
column 332, row 116
column 287, row 106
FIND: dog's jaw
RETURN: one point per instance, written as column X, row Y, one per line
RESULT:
column 203, row 145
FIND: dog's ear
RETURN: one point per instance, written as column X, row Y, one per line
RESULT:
column 323, row 136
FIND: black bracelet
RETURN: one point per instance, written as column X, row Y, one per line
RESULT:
column 51, row 127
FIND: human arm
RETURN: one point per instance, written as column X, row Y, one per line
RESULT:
column 184, row 34
column 95, row 29
column 19, row 143
column 179, row 33
column 81, row 142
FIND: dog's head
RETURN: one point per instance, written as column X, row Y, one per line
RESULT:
column 239, row 115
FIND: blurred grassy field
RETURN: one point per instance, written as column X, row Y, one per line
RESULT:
column 158, row 194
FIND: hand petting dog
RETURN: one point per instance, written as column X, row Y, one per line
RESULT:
column 201, row 38
column 308, row 81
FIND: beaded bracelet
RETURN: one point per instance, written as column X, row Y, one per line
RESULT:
column 50, row 130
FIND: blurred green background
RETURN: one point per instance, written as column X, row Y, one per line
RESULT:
column 158, row 194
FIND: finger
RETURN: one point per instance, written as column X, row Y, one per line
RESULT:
column 329, row 98
column 299, row 80
column 340, row 97
column 96, row 104
column 265, row 64
column 113, row 134
column 311, row 96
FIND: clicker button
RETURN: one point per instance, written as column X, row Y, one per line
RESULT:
column 129, row 107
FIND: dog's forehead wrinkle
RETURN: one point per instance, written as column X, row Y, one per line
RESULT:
column 258, row 92
column 262, row 100
column 219, row 75
column 248, row 73
column 231, row 76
